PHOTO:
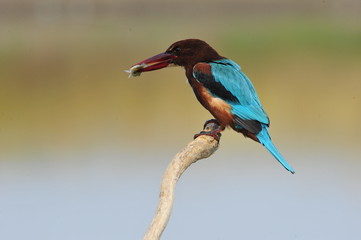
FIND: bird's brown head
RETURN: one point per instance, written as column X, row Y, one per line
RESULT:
column 191, row 51
column 185, row 53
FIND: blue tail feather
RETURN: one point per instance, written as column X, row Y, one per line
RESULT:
column 265, row 139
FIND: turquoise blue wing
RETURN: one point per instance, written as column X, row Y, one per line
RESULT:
column 224, row 79
column 228, row 82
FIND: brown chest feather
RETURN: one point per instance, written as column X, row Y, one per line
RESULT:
column 216, row 106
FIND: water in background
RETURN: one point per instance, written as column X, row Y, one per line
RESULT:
column 83, row 147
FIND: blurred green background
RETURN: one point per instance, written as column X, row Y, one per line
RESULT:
column 83, row 147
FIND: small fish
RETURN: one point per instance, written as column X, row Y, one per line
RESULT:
column 135, row 70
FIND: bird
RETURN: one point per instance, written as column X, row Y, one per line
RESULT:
column 221, row 87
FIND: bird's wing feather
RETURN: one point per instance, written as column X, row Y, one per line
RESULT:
column 224, row 79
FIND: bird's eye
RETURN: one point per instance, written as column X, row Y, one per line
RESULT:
column 176, row 50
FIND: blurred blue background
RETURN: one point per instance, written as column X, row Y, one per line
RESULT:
column 83, row 147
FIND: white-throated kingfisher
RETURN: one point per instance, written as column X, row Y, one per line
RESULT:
column 221, row 87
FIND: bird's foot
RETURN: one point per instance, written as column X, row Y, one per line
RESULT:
column 211, row 128
column 212, row 125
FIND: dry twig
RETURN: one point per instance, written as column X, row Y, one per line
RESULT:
column 200, row 148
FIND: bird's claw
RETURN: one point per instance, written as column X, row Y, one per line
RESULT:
column 211, row 128
column 215, row 134
column 210, row 125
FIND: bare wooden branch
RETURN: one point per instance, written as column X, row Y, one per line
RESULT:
column 201, row 147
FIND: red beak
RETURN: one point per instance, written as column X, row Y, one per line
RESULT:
column 159, row 61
